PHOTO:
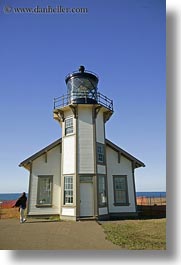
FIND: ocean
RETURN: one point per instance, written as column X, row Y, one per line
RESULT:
column 155, row 194
column 14, row 196
column 9, row 196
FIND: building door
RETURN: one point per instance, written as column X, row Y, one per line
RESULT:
column 86, row 199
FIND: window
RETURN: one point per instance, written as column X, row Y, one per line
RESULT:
column 45, row 188
column 120, row 190
column 68, row 189
column 100, row 153
column 102, row 191
column 68, row 126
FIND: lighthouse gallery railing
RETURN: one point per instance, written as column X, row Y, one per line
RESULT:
column 68, row 99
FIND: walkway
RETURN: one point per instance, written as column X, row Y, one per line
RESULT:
column 53, row 236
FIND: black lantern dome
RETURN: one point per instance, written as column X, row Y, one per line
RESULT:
column 82, row 86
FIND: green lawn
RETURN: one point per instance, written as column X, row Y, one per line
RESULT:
column 137, row 234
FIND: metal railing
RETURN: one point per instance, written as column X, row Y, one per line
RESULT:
column 68, row 99
column 61, row 101
column 105, row 101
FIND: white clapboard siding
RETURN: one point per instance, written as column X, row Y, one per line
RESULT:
column 85, row 141
column 100, row 137
column 101, row 169
column 69, row 156
column 122, row 168
column 41, row 167
column 103, row 211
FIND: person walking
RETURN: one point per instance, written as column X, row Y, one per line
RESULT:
column 21, row 203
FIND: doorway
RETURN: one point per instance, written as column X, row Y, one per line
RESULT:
column 86, row 199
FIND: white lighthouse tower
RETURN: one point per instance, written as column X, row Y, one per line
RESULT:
column 82, row 114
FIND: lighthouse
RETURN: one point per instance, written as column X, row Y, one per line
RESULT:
column 82, row 174
column 82, row 113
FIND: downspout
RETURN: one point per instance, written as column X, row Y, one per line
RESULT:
column 134, row 187
column 29, row 188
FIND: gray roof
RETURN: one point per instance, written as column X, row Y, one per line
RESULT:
column 26, row 163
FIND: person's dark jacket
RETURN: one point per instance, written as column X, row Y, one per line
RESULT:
column 21, row 202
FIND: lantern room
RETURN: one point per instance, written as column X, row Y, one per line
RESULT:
column 82, row 87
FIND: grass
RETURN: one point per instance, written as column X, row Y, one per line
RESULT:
column 6, row 213
column 13, row 213
column 137, row 234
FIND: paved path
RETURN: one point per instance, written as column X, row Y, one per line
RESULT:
column 53, row 235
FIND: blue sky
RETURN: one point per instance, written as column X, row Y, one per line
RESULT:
column 123, row 41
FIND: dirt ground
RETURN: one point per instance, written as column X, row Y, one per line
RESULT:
column 43, row 235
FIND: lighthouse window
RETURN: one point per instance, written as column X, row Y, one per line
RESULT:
column 102, row 191
column 69, row 125
column 120, row 190
column 68, row 189
column 100, row 153
column 44, row 194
